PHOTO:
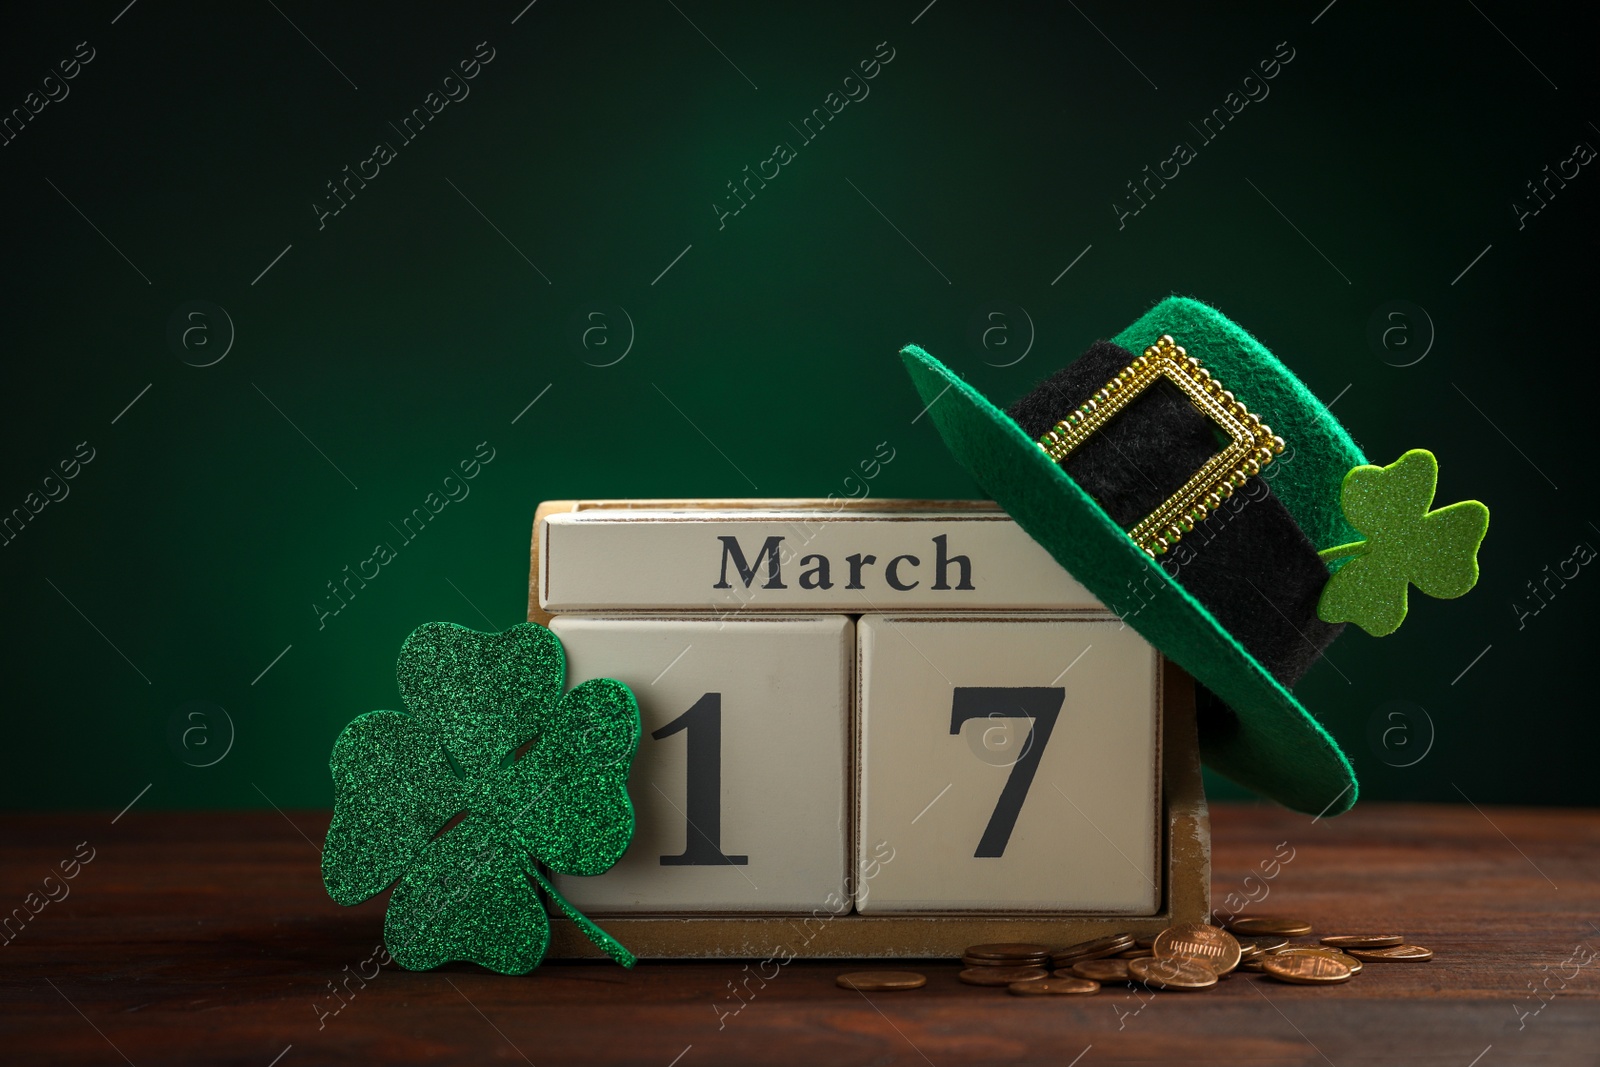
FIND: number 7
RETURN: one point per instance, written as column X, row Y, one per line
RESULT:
column 1041, row 704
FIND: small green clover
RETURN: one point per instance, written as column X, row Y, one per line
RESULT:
column 490, row 772
column 1437, row 551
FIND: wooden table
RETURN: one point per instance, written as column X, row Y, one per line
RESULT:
column 207, row 938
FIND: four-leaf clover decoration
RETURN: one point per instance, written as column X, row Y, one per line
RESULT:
column 457, row 801
column 1437, row 551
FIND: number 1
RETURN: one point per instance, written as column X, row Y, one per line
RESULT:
column 702, row 837
column 1041, row 704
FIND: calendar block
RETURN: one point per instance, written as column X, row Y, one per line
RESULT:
column 741, row 784
column 858, row 812
column 1011, row 762
column 784, row 560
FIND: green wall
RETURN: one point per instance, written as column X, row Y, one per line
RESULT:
column 392, row 338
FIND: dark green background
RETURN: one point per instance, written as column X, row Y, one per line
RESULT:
column 409, row 330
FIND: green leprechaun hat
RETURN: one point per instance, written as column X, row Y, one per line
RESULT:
column 1196, row 487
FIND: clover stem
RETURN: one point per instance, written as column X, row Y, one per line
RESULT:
column 1354, row 548
column 604, row 941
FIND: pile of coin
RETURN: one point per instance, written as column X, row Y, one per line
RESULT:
column 1026, row 970
column 1187, row 956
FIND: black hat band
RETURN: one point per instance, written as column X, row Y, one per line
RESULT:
column 1246, row 561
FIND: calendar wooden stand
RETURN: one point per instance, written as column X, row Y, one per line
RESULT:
column 1184, row 857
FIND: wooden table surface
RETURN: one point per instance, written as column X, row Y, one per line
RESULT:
column 207, row 938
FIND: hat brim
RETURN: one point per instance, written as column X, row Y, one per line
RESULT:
column 1273, row 746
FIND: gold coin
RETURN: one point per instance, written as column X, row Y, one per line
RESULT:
column 1397, row 952
column 1103, row 970
column 880, row 981
column 1096, row 949
column 1054, row 986
column 1321, row 950
column 1002, row 975
column 1172, row 972
column 1212, row 945
column 1025, row 961
column 1305, row 968
column 1269, row 925
column 1264, row 944
column 1363, row 940
column 1009, row 950
column 1135, row 954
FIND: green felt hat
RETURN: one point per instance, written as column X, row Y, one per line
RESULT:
column 1255, row 732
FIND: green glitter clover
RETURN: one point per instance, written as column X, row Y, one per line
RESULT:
column 488, row 773
column 1437, row 551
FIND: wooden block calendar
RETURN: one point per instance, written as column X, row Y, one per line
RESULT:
column 870, row 729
